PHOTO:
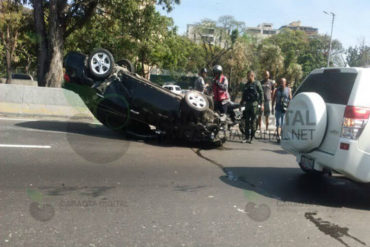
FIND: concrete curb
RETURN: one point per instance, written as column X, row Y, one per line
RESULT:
column 40, row 102
column 20, row 82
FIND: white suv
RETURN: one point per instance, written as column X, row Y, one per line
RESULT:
column 326, row 126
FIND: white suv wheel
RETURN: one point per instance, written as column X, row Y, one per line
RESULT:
column 305, row 123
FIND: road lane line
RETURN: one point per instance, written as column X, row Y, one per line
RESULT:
column 24, row 146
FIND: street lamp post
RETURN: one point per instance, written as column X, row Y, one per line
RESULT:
column 331, row 35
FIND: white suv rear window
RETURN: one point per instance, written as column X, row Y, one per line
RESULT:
column 332, row 85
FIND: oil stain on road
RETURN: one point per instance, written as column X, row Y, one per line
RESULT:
column 333, row 230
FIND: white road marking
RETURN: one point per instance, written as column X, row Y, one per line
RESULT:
column 24, row 146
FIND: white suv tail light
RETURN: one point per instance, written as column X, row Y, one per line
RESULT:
column 355, row 120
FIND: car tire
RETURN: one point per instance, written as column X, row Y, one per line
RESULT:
column 196, row 101
column 305, row 170
column 126, row 64
column 315, row 172
column 306, row 113
column 100, row 63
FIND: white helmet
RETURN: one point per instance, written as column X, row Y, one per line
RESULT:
column 217, row 69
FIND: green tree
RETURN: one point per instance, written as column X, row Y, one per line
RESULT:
column 271, row 58
column 291, row 43
column 314, row 56
column 358, row 56
column 294, row 74
column 238, row 61
column 298, row 48
column 150, row 35
column 229, row 23
column 2, row 68
column 62, row 19
column 217, row 41
column 195, row 56
column 132, row 30
column 179, row 54
column 26, row 51
column 11, row 20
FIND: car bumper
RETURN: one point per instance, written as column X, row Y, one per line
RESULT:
column 353, row 163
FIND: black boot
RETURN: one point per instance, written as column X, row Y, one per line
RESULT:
column 246, row 139
column 278, row 139
column 252, row 135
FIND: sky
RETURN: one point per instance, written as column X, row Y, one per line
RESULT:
column 351, row 25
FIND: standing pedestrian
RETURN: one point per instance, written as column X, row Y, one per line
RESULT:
column 220, row 90
column 268, row 89
column 199, row 83
column 282, row 95
column 253, row 98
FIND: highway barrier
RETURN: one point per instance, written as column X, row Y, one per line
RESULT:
column 41, row 102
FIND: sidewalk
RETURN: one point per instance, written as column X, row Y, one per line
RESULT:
column 272, row 123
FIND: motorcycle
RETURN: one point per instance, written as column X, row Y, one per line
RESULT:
column 233, row 117
column 236, row 114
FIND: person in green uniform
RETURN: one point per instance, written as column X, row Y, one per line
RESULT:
column 253, row 98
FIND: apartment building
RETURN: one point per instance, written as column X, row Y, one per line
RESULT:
column 296, row 25
column 262, row 31
column 211, row 34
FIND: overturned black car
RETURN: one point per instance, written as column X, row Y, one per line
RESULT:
column 126, row 102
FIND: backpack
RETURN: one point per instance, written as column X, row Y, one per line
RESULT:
column 250, row 92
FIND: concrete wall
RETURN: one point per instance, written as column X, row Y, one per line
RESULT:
column 20, row 82
column 30, row 101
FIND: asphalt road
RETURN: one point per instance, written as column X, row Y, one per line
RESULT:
column 78, row 184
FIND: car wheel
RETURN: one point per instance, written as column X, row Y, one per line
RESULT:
column 126, row 64
column 101, row 63
column 196, row 101
column 308, row 171
column 314, row 172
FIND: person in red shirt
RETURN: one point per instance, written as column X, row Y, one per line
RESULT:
column 220, row 90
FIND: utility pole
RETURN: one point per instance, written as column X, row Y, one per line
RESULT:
column 331, row 34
